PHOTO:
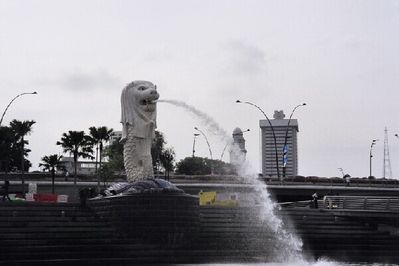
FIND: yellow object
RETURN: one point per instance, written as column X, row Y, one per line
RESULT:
column 226, row 203
column 207, row 198
column 210, row 198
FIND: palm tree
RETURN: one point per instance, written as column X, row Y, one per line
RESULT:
column 50, row 163
column 100, row 135
column 21, row 129
column 78, row 144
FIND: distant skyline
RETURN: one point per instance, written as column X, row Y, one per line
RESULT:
column 340, row 57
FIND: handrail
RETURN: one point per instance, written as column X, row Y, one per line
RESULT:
column 362, row 203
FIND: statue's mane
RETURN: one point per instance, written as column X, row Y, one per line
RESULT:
column 132, row 115
column 129, row 114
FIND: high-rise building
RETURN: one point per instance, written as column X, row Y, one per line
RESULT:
column 283, row 133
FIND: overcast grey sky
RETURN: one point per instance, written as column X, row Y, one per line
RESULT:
column 340, row 57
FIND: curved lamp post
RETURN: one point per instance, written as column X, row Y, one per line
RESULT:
column 209, row 147
column 195, row 136
column 207, row 142
column 227, row 144
column 274, row 135
column 19, row 95
column 342, row 171
column 285, row 148
column 371, row 154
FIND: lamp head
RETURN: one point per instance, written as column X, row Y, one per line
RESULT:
column 34, row 92
column 196, row 128
column 238, row 101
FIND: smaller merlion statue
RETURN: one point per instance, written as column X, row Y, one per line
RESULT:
column 138, row 120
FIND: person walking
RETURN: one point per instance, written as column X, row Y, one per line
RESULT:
column 5, row 190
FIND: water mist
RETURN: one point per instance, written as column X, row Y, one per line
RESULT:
column 289, row 245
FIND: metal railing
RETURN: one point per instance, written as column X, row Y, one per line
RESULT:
column 362, row 203
column 333, row 182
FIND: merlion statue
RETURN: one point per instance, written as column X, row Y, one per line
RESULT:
column 139, row 106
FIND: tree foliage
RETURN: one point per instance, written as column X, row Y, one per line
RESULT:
column 100, row 135
column 51, row 163
column 193, row 166
column 78, row 144
column 166, row 159
column 203, row 166
column 114, row 152
column 157, row 148
column 13, row 145
column 162, row 158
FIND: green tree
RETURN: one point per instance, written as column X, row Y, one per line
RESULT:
column 78, row 144
column 21, row 129
column 193, row 166
column 7, row 139
column 202, row 166
column 162, row 158
column 157, row 148
column 167, row 158
column 106, row 172
column 51, row 163
column 100, row 135
column 221, row 168
column 114, row 152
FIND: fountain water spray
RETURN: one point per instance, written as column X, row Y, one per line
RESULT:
column 204, row 118
column 289, row 245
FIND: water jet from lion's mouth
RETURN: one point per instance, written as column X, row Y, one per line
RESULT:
column 285, row 239
column 148, row 102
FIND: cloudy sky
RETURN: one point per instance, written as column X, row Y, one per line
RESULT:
column 340, row 57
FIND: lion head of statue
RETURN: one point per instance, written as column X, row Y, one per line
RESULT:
column 138, row 102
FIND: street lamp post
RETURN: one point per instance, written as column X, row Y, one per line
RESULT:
column 227, row 144
column 209, row 147
column 195, row 136
column 206, row 139
column 342, row 171
column 371, row 154
column 19, row 95
column 274, row 135
column 285, row 148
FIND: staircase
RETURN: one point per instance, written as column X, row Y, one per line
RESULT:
column 48, row 233
column 68, row 234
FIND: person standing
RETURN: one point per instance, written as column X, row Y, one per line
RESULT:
column 315, row 198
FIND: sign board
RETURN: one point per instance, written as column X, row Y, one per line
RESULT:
column 62, row 198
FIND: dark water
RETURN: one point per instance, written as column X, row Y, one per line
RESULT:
column 317, row 263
